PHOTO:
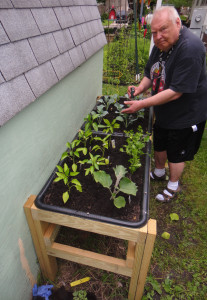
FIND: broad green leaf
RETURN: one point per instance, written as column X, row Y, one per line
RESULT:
column 74, row 173
column 103, row 178
column 120, row 171
column 174, row 217
column 76, row 182
column 119, row 118
column 64, row 155
column 65, row 180
column 78, row 188
column 83, row 149
column 95, row 126
column 165, row 235
column 106, row 121
column 65, row 197
column 60, row 169
column 119, row 202
column 61, row 175
column 57, row 179
column 76, row 153
column 74, row 167
column 87, row 171
column 65, row 167
column 127, row 186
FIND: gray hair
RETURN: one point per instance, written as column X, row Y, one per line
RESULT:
column 172, row 12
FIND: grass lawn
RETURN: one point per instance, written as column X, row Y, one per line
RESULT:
column 179, row 265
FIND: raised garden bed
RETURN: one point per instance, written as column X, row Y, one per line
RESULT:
column 95, row 212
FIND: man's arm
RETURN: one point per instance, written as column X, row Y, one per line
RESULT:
column 158, row 99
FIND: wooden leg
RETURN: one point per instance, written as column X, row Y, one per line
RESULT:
column 147, row 253
column 138, row 254
column 48, row 263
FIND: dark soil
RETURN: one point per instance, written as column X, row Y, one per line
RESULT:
column 95, row 199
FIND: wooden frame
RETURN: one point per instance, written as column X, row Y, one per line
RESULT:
column 44, row 226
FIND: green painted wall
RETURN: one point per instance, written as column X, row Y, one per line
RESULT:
column 30, row 146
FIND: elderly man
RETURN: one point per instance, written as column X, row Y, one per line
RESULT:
column 176, row 74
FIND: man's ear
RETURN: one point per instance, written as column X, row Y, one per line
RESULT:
column 178, row 22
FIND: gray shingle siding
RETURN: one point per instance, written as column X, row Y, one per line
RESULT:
column 64, row 17
column 62, row 65
column 41, row 42
column 3, row 36
column 41, row 78
column 63, row 40
column 44, row 47
column 16, row 58
column 6, row 4
column 26, row 3
column 18, row 23
column 19, row 94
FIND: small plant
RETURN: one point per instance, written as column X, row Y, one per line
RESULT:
column 80, row 295
column 84, row 136
column 95, row 161
column 122, row 184
column 90, row 121
column 104, row 144
column 106, row 101
column 110, row 126
column 134, row 147
column 67, row 175
column 73, row 150
column 127, row 119
column 101, row 112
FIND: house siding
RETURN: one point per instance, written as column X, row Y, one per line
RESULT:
column 37, row 35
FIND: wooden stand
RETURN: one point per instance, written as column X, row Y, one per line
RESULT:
column 44, row 226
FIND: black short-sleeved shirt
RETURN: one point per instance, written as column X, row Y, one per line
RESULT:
column 184, row 72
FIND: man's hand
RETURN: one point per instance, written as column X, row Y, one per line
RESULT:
column 134, row 106
column 129, row 91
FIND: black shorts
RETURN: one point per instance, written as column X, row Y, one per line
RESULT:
column 181, row 144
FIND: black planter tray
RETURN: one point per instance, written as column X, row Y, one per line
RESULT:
column 144, row 202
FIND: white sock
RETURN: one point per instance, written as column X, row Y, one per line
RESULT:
column 159, row 172
column 172, row 185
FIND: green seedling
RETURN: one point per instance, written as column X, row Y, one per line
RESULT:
column 101, row 112
column 95, row 161
column 107, row 101
column 122, row 184
column 127, row 119
column 110, row 126
column 80, row 295
column 91, row 124
column 73, row 151
column 104, row 144
column 67, row 175
column 84, row 136
column 134, row 147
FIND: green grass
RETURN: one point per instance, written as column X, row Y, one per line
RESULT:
column 178, row 267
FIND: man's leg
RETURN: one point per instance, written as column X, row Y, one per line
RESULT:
column 160, row 159
column 176, row 170
column 159, row 170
